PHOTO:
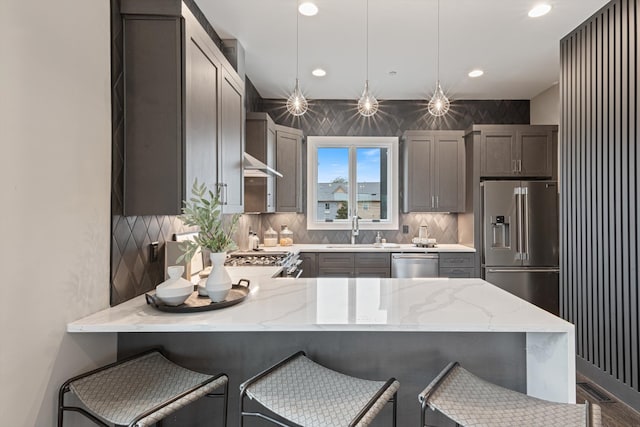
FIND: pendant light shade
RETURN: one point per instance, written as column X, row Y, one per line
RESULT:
column 367, row 104
column 296, row 103
column 439, row 103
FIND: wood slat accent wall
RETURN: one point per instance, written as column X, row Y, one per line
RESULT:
column 599, row 185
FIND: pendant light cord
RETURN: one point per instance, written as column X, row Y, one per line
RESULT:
column 367, row 41
column 297, row 39
column 438, row 46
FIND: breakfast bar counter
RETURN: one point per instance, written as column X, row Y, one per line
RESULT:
column 377, row 328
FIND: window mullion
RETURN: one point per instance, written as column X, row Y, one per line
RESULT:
column 353, row 190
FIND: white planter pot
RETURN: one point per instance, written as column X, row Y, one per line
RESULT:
column 219, row 281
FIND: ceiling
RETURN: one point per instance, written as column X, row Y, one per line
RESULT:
column 519, row 55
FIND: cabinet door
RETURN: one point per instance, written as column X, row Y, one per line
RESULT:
column 380, row 273
column 449, row 173
column 418, row 163
column 498, row 153
column 153, row 167
column 289, row 164
column 535, row 153
column 202, row 81
column 231, row 177
column 260, row 142
column 309, row 264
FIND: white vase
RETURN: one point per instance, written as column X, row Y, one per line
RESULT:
column 219, row 281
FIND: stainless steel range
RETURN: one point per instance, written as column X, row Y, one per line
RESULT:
column 289, row 261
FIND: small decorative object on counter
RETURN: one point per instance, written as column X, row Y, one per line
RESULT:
column 270, row 237
column 204, row 210
column 378, row 242
column 254, row 242
column 286, row 236
column 175, row 290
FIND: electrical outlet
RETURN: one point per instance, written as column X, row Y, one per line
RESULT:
column 153, row 252
column 405, row 229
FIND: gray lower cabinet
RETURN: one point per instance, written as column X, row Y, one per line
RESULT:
column 184, row 111
column 361, row 264
column 516, row 151
column 456, row 264
column 289, row 164
column 309, row 264
column 433, row 171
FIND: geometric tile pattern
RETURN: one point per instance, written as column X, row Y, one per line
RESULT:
column 472, row 401
column 311, row 395
column 124, row 392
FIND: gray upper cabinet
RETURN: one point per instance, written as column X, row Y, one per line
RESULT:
column 289, row 164
column 433, row 171
column 516, row 151
column 184, row 111
column 260, row 192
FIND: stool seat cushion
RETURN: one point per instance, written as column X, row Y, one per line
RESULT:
column 311, row 395
column 124, row 392
column 472, row 401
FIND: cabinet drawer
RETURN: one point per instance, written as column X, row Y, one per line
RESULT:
column 456, row 259
column 335, row 272
column 373, row 260
column 373, row 272
column 335, row 260
column 456, row 272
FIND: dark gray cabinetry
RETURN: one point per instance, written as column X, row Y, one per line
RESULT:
column 289, row 164
column 453, row 264
column 183, row 111
column 361, row 264
column 309, row 264
column 516, row 151
column 433, row 171
column 260, row 143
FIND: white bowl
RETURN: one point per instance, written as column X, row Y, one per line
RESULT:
column 175, row 295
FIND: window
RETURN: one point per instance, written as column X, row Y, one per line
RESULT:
column 349, row 176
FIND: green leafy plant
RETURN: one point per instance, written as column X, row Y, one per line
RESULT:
column 204, row 210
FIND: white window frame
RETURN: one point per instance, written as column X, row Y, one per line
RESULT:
column 393, row 177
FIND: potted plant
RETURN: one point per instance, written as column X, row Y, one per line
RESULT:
column 204, row 210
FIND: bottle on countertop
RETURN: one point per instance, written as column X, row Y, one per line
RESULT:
column 378, row 239
column 270, row 237
column 254, row 242
column 286, row 236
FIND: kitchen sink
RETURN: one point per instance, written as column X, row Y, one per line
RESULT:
column 364, row 245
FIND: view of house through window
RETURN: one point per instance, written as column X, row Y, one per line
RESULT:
column 351, row 176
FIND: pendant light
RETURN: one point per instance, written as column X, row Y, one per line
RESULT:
column 439, row 103
column 367, row 104
column 296, row 103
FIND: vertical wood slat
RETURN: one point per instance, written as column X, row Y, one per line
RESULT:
column 599, row 208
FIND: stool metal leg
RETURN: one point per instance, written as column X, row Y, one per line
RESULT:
column 395, row 409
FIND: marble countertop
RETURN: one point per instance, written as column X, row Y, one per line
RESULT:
column 389, row 247
column 330, row 304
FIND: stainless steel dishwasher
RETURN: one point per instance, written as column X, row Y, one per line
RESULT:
column 412, row 265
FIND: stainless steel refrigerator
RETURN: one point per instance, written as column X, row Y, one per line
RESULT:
column 520, row 239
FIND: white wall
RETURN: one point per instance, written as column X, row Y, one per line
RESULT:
column 54, row 198
column 545, row 108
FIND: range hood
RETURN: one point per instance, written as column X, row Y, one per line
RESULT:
column 255, row 168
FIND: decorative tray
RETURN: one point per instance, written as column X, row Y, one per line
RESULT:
column 196, row 303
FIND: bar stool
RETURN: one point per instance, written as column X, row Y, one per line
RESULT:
column 310, row 395
column 139, row 391
column 472, row 401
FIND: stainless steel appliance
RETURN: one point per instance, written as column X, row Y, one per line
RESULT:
column 414, row 265
column 520, row 234
column 289, row 261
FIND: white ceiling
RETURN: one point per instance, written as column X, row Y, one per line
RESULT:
column 519, row 55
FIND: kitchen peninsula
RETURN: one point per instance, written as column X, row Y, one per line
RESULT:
column 373, row 328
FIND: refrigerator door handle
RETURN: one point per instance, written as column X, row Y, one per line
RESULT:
column 518, row 195
column 525, row 223
column 523, row 270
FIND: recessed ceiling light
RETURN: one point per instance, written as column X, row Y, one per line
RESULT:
column 319, row 72
column 539, row 10
column 307, row 8
column 476, row 73
column 393, row 73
